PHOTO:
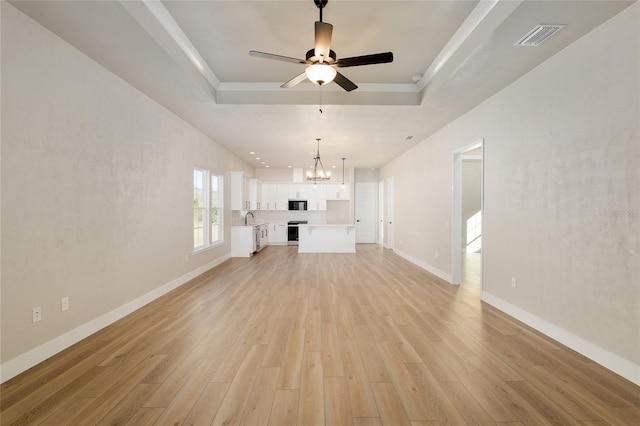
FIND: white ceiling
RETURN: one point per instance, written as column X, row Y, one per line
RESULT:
column 192, row 57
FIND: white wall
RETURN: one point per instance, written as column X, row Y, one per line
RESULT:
column 562, row 195
column 96, row 194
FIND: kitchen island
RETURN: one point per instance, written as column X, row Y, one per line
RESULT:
column 327, row 239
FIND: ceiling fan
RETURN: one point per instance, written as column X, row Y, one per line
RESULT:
column 321, row 61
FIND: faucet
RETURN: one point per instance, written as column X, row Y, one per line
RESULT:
column 245, row 217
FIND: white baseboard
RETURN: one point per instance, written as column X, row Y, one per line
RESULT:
column 435, row 271
column 613, row 362
column 23, row 362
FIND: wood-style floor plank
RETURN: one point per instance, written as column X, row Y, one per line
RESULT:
column 260, row 401
column 282, row 338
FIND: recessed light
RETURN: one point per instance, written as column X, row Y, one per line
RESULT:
column 262, row 162
column 257, row 158
column 267, row 166
column 289, row 167
column 251, row 153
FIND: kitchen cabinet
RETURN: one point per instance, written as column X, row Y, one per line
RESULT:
column 243, row 241
column 278, row 233
column 282, row 196
column 254, row 196
column 269, row 196
column 336, row 192
column 239, row 192
column 263, row 232
column 317, row 199
column 298, row 191
column 275, row 196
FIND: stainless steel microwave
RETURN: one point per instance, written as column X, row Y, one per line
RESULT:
column 297, row 204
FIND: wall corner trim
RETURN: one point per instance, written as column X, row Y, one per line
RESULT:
column 609, row 360
column 435, row 271
column 23, row 362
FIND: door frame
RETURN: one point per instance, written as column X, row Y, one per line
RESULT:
column 456, row 211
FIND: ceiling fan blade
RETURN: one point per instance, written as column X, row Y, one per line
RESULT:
column 323, row 40
column 295, row 80
column 276, row 57
column 376, row 58
column 344, row 82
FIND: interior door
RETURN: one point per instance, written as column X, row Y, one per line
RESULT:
column 366, row 205
column 389, row 225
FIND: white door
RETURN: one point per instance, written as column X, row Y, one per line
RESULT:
column 366, row 205
column 389, row 225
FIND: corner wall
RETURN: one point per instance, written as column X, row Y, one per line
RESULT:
column 97, row 195
column 561, row 195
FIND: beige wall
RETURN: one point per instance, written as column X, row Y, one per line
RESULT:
column 562, row 194
column 96, row 191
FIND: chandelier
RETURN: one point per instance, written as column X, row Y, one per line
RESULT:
column 318, row 173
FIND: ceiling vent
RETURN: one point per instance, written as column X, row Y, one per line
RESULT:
column 539, row 34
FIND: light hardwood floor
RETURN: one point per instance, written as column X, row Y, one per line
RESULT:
column 319, row 339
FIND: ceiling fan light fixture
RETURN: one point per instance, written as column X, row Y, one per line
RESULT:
column 320, row 74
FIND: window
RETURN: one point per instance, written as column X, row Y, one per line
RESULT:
column 216, row 209
column 207, row 209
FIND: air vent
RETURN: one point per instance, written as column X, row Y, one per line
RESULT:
column 539, row 34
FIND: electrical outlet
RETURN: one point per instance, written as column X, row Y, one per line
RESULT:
column 514, row 283
column 64, row 304
column 36, row 314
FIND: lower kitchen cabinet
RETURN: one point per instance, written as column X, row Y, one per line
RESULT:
column 243, row 241
column 264, row 236
column 278, row 233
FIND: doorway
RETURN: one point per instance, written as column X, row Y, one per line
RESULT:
column 366, row 207
column 390, row 234
column 466, row 243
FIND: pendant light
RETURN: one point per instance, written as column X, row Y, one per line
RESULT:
column 318, row 173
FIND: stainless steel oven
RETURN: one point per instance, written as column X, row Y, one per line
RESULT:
column 292, row 231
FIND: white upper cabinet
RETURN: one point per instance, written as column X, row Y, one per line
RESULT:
column 255, row 194
column 239, row 199
column 317, row 199
column 268, row 196
column 275, row 196
column 298, row 191
column 282, row 197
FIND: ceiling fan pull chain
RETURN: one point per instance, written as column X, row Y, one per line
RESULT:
column 320, row 101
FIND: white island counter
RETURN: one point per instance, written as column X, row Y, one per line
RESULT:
column 327, row 239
